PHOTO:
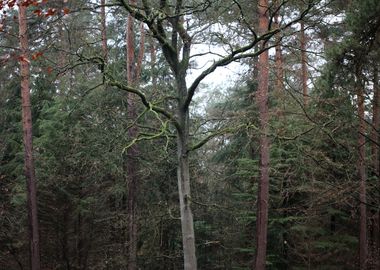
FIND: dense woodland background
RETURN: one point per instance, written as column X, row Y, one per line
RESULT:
column 121, row 112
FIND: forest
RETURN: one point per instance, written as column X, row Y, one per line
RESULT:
column 189, row 134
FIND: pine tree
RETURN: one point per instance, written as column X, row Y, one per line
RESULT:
column 28, row 141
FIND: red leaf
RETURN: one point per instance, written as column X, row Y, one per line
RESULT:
column 38, row 12
column 51, row 12
column 66, row 11
column 36, row 55
column 22, row 58
column 49, row 70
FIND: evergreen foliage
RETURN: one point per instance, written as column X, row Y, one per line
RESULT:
column 81, row 123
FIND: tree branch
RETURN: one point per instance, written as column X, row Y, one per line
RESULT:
column 144, row 100
column 240, row 54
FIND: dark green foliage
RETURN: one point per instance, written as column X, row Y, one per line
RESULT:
column 80, row 137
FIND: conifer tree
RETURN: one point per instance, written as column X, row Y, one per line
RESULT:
column 28, row 140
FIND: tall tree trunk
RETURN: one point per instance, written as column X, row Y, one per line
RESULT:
column 153, row 60
column 183, row 175
column 64, row 239
column 279, row 59
column 304, row 76
column 104, row 30
column 362, row 174
column 375, row 163
column 131, row 162
column 28, row 143
column 132, row 152
column 79, row 243
column 262, row 101
column 279, row 69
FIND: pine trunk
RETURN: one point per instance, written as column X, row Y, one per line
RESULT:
column 153, row 59
column 279, row 69
column 304, row 64
column 375, row 163
column 131, row 161
column 279, row 59
column 28, row 143
column 262, row 101
column 362, row 177
column 104, row 29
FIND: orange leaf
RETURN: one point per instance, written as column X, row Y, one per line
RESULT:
column 66, row 11
column 36, row 55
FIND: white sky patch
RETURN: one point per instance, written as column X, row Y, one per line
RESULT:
column 219, row 80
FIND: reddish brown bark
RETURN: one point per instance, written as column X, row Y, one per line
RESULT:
column 132, row 152
column 104, row 29
column 62, row 54
column 279, row 58
column 140, row 54
column 376, row 168
column 134, row 65
column 362, row 176
column 153, row 59
column 304, row 75
column 262, row 101
column 376, row 124
column 279, row 68
column 28, row 143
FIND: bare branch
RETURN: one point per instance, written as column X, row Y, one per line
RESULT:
column 240, row 53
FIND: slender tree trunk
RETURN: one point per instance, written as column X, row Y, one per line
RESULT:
column 28, row 143
column 64, row 240
column 132, row 178
column 304, row 76
column 133, row 75
column 262, row 101
column 279, row 69
column 362, row 176
column 278, row 57
column 79, row 243
column 132, row 153
column 183, row 174
column 153, row 60
column 375, row 163
column 104, row 30
column 62, row 54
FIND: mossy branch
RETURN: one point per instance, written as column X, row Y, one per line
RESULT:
column 213, row 135
column 144, row 100
column 151, row 136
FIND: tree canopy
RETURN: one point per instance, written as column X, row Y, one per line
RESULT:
column 124, row 144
